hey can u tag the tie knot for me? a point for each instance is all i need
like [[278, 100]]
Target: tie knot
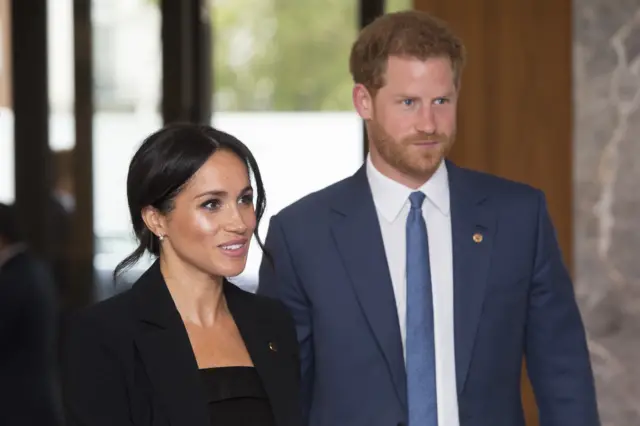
[[416, 199]]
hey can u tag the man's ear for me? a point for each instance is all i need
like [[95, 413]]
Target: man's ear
[[362, 101], [155, 221]]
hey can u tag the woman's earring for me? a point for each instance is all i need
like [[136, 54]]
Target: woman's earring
[[161, 238]]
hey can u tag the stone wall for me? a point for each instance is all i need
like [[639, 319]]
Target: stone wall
[[607, 198]]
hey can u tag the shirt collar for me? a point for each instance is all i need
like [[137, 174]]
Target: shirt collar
[[390, 196]]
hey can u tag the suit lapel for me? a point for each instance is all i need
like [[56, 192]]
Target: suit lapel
[[265, 351], [356, 231], [166, 353], [473, 226]]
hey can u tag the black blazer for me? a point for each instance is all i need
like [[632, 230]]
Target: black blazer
[[128, 360], [28, 327]]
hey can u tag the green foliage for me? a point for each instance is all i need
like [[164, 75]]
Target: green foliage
[[283, 55], [397, 5]]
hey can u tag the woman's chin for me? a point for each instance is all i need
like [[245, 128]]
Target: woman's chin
[[232, 269]]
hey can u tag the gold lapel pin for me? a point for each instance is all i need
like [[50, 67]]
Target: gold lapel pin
[[272, 347], [477, 237]]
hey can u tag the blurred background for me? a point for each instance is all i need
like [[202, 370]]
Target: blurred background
[[550, 97], [272, 73]]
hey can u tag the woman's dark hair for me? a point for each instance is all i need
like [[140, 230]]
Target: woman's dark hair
[[161, 167]]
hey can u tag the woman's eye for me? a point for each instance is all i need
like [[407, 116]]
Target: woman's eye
[[247, 199], [211, 204]]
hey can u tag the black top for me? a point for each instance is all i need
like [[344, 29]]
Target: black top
[[236, 397], [128, 360]]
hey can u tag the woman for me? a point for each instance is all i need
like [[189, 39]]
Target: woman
[[184, 346]]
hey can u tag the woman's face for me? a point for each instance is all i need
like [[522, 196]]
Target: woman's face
[[213, 218]]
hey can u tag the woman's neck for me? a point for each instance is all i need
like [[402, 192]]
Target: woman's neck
[[199, 297]]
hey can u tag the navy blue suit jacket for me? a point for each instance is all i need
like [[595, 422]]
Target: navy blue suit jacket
[[512, 297]]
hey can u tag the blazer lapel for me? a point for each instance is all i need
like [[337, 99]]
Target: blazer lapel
[[356, 231], [270, 364], [473, 226], [166, 353]]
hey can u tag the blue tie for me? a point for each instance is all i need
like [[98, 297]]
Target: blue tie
[[420, 346]]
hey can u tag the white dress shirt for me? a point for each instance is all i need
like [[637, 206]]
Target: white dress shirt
[[392, 205]]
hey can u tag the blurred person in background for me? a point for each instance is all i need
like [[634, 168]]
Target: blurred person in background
[[60, 215], [28, 332]]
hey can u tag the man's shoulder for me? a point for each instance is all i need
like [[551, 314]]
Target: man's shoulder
[[498, 187], [315, 203]]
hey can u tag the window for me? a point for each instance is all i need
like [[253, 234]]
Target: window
[[128, 84], [7, 178], [60, 73], [282, 86], [397, 5]]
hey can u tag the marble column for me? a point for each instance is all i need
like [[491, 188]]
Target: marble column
[[607, 198]]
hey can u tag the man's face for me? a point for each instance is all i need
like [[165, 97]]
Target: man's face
[[411, 121]]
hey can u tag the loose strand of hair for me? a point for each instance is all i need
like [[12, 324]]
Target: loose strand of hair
[[128, 262]]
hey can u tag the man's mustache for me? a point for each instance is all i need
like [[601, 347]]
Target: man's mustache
[[426, 137]]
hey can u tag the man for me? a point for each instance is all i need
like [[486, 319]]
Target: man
[[417, 286], [28, 394]]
